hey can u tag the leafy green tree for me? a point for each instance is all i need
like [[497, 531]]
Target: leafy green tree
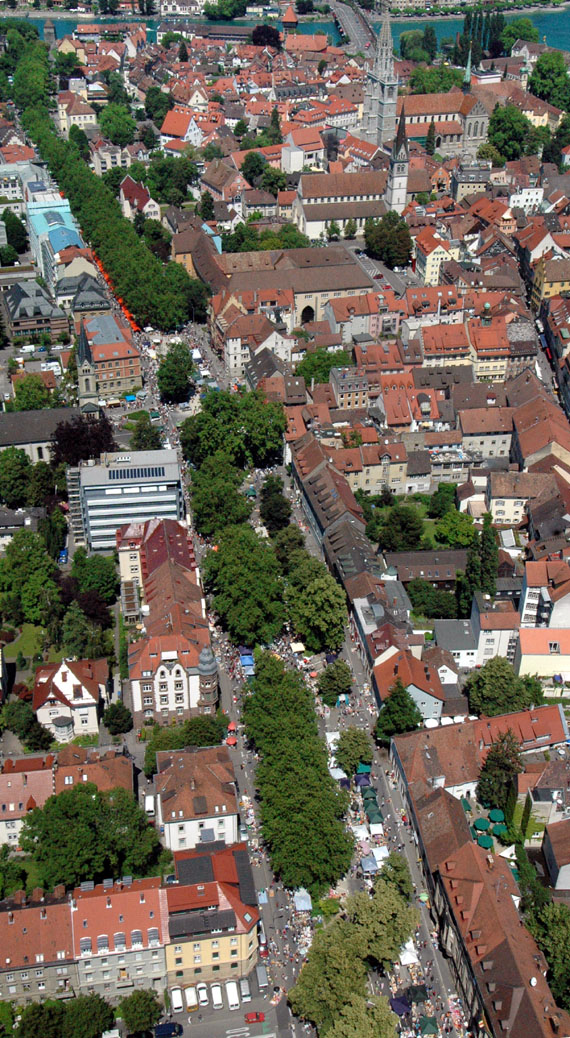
[[430, 139], [96, 573], [273, 180], [142, 1009], [501, 765], [145, 436], [78, 137], [317, 364], [442, 501], [384, 920], [240, 129], [206, 206], [12, 877], [350, 229], [15, 231], [508, 131], [435, 79], [388, 240], [455, 529], [244, 578], [248, 428], [399, 714], [253, 166], [354, 747], [247, 237], [80, 637], [490, 152], [429, 41], [27, 571], [395, 871], [174, 373], [333, 974], [469, 582], [365, 1018], [317, 609], [15, 470], [333, 231], [183, 52], [411, 46], [334, 681], [430, 601], [85, 834], [18, 717], [549, 79], [8, 256], [275, 510], [87, 1016], [401, 530], [117, 124], [216, 498], [81, 438], [31, 394], [550, 925], [496, 689], [40, 483], [286, 543], [38, 1018], [489, 557], [518, 29], [117, 719]]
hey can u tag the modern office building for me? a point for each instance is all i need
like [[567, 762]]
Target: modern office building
[[119, 489]]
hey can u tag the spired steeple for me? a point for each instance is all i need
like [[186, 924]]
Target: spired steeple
[[84, 355], [466, 86], [381, 90], [86, 377], [397, 187]]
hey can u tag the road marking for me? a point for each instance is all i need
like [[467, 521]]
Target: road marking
[[239, 1030]]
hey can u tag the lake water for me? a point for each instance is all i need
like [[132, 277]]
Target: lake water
[[553, 26]]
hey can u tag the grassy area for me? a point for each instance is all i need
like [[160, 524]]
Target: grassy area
[[29, 643], [133, 416], [32, 880], [535, 825]]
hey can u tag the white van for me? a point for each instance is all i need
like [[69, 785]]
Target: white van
[[176, 1000], [216, 993], [232, 994], [191, 999], [244, 990], [202, 992], [30, 348], [149, 805]]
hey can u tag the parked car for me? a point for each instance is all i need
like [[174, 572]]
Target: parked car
[[202, 992], [254, 1018]]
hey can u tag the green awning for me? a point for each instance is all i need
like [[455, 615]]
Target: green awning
[[482, 824], [369, 793], [496, 815], [364, 769], [485, 842], [465, 804], [428, 1025]]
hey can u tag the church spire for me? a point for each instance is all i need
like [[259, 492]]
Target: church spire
[[400, 150], [384, 57], [467, 77]]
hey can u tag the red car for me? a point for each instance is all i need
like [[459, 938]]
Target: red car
[[254, 1018]]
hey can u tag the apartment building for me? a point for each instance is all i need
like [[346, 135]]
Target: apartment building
[[213, 917], [69, 697], [38, 959], [196, 797], [24, 785], [545, 594]]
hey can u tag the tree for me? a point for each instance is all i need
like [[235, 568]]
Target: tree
[[8, 256], [317, 364], [157, 104], [85, 834], [549, 80], [334, 681], [142, 1009], [145, 436], [430, 601], [401, 530], [550, 926], [78, 137], [455, 529], [275, 123], [117, 124], [333, 974], [87, 1016], [399, 714], [216, 498], [508, 131], [388, 240], [496, 689], [15, 231], [244, 578], [350, 229], [174, 373], [430, 139], [489, 557], [354, 747], [248, 428], [492, 155], [469, 582], [253, 166], [275, 510], [266, 36], [118, 719], [273, 180], [30, 394], [81, 438], [429, 42], [442, 501], [502, 764], [333, 231], [518, 29], [435, 79], [15, 470], [317, 609], [96, 573], [80, 637], [18, 717], [411, 46], [395, 871], [27, 571], [206, 206], [385, 922], [38, 1018], [183, 52], [285, 543]]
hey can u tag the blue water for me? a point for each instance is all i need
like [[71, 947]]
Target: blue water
[[66, 26], [553, 26]]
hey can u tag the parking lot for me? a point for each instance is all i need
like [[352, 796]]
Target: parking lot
[[207, 1021]]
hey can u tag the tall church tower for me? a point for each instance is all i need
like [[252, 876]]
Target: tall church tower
[[381, 91], [397, 188]]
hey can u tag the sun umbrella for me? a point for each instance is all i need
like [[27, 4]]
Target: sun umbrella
[[499, 830], [231, 740], [399, 1006], [428, 1025], [424, 898], [485, 842], [362, 780], [232, 726], [482, 824], [496, 815]]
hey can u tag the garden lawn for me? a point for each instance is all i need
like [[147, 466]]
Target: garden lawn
[[29, 643]]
